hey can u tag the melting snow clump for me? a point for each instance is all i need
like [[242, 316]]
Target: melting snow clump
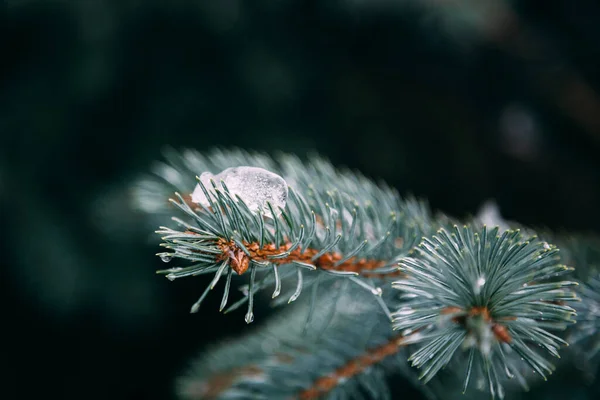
[[255, 186]]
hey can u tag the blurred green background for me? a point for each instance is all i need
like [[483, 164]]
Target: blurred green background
[[455, 101]]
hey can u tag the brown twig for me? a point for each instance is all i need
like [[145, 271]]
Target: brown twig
[[500, 331], [352, 368], [240, 261]]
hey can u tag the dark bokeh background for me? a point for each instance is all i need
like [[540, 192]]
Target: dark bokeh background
[[456, 101]]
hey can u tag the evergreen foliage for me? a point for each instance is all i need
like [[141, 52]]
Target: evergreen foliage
[[335, 223], [492, 303], [488, 292], [347, 353]]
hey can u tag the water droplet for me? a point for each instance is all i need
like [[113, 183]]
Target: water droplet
[[249, 317], [166, 257]]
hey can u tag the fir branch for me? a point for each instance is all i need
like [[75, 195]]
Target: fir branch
[[494, 293], [347, 355], [488, 292], [352, 368], [579, 251], [586, 333], [583, 253], [335, 224]]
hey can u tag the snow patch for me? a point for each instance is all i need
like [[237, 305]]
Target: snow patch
[[255, 186]]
